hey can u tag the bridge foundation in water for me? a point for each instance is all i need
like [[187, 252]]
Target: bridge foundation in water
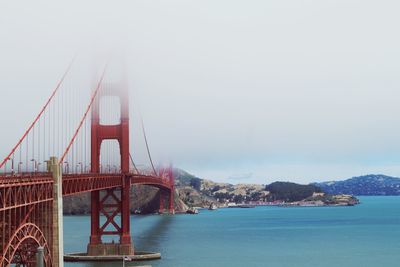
[[113, 205]]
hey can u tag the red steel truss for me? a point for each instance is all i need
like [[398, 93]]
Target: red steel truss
[[26, 208], [26, 199], [25, 213]]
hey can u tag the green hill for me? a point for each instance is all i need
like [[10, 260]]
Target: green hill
[[290, 192]]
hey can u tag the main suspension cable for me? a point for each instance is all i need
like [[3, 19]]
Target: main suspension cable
[[147, 147], [40, 113], [85, 115]]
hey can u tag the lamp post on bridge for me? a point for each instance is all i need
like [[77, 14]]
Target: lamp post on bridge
[[34, 162], [12, 165], [19, 166], [79, 164], [40, 257], [66, 166]]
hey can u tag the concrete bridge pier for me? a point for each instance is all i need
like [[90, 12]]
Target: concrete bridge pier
[[58, 242]]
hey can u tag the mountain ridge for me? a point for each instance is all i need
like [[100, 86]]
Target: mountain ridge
[[365, 185]]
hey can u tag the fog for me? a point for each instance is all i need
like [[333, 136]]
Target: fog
[[230, 90]]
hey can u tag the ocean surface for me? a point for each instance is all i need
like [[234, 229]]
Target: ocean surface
[[367, 235]]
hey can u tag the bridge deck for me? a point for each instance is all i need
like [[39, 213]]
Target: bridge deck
[[27, 189]]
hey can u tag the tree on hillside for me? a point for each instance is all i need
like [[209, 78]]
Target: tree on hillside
[[290, 192], [195, 183]]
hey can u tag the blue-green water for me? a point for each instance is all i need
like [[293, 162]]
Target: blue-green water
[[367, 235]]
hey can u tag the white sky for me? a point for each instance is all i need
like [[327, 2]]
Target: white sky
[[230, 90]]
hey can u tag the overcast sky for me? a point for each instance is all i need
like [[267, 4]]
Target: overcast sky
[[239, 91]]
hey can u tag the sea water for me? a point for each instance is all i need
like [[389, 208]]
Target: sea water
[[367, 235]]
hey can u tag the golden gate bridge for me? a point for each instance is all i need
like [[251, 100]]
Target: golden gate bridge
[[78, 143]]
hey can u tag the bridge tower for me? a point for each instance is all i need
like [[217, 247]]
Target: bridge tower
[[111, 202], [165, 194]]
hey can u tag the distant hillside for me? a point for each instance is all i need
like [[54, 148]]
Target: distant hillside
[[197, 192], [368, 185], [290, 192]]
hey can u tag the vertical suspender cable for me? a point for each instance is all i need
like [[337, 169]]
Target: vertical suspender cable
[[39, 115], [39, 147], [44, 137], [26, 153], [85, 115], [33, 150], [147, 147], [133, 163], [54, 128]]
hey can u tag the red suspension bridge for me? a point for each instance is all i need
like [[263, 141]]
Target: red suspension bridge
[[79, 142]]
